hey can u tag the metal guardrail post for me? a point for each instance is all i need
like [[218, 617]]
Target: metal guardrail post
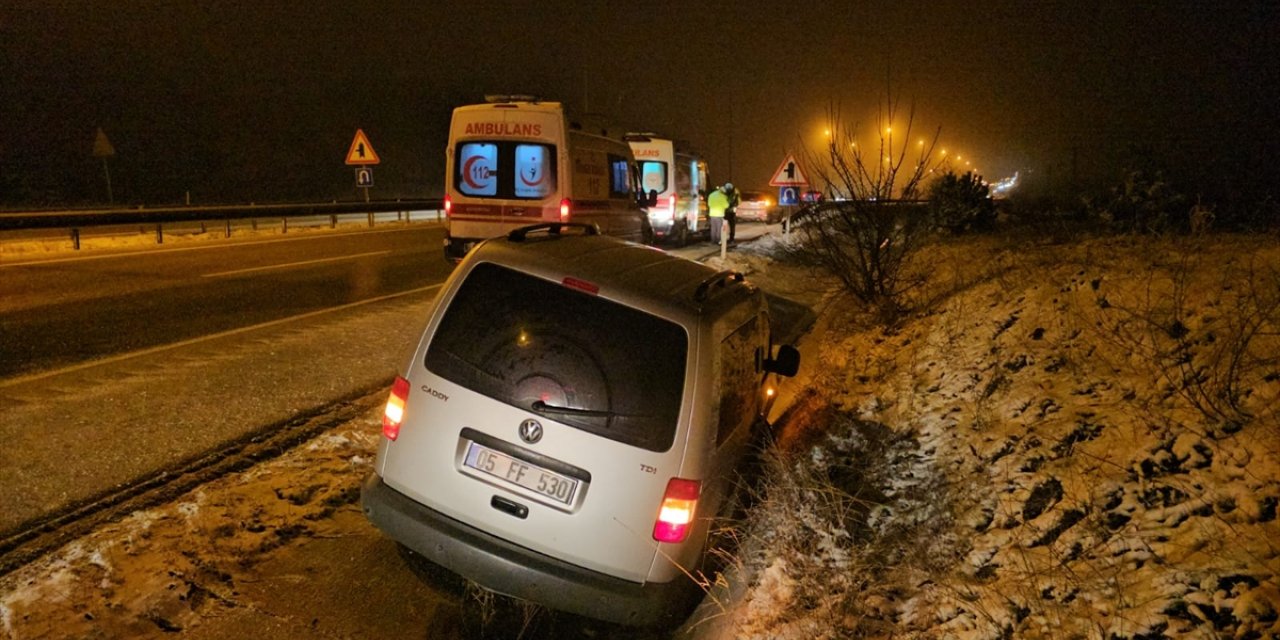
[[333, 221], [159, 233], [284, 225], [75, 238], [370, 218], [228, 221]]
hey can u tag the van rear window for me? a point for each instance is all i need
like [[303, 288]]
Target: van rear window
[[653, 176], [505, 169], [586, 361], [620, 177]]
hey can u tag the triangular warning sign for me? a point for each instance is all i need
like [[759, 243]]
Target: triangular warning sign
[[361, 152], [102, 146], [789, 174]]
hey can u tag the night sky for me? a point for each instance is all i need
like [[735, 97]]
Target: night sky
[[235, 101]]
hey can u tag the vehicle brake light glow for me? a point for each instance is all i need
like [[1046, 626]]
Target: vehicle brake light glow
[[581, 285], [393, 415], [448, 205], [678, 506], [671, 206], [566, 207]]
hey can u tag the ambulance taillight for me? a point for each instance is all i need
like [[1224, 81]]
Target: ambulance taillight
[[566, 207]]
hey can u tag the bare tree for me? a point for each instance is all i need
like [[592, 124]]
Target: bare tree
[[870, 221]]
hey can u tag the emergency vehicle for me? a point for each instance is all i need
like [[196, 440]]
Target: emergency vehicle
[[677, 176], [515, 161]]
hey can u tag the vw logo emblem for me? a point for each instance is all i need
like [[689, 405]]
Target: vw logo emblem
[[531, 431]]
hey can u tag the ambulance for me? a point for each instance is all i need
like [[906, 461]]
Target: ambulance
[[515, 161], [676, 178]]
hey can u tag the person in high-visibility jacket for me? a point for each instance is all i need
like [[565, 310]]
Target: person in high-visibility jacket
[[717, 203], [731, 214]]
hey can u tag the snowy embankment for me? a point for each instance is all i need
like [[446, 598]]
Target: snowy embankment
[[1075, 440]]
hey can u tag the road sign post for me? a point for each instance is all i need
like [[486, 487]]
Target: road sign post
[[790, 179], [102, 149]]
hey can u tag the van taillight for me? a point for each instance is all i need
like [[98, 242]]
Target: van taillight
[[566, 207], [676, 515], [671, 206], [448, 205], [393, 415]]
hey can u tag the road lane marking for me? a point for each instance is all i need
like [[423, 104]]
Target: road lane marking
[[13, 382], [288, 265]]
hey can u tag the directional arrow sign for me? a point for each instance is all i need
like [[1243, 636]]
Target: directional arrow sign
[[361, 152], [789, 174]]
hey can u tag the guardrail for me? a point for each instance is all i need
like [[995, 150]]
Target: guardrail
[[159, 215], [34, 222]]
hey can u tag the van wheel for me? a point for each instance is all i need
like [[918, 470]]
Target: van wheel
[[682, 237], [646, 233]]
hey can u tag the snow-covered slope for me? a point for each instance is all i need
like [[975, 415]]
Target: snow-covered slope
[[1070, 440]]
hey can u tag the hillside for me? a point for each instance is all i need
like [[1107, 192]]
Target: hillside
[[1076, 439]]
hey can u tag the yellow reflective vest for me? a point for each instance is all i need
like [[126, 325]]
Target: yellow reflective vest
[[717, 202]]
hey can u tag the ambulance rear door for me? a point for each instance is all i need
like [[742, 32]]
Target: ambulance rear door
[[504, 167]]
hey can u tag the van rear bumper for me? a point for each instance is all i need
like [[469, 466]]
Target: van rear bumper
[[513, 570], [455, 249]]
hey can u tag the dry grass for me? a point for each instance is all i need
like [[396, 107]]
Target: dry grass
[[1097, 424]]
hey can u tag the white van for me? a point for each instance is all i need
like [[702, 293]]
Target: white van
[[573, 421], [516, 161], [677, 176]]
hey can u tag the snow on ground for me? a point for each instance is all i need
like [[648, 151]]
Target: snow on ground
[[1076, 440], [1073, 440], [161, 570]]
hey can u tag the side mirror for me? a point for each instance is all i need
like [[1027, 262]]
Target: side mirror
[[786, 363], [651, 198]]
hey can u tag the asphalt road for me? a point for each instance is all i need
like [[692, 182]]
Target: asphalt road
[[60, 312], [119, 368]]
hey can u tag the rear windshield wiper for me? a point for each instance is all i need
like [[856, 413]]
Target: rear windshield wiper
[[543, 407]]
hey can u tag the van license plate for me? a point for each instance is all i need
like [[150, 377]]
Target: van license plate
[[521, 473]]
